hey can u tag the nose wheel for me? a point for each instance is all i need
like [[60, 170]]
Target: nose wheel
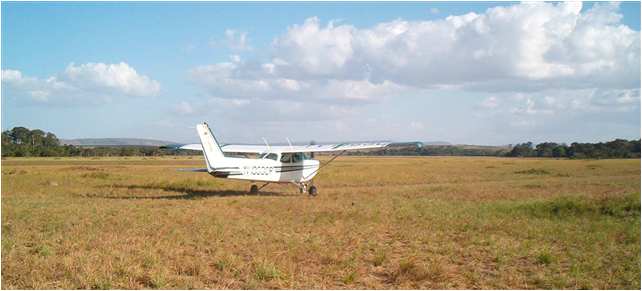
[[312, 191]]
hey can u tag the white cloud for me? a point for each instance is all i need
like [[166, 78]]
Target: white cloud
[[259, 110], [321, 50], [246, 81], [628, 97], [11, 76], [118, 77], [609, 100], [490, 102], [529, 107], [564, 115], [237, 40], [529, 42], [529, 46], [561, 102], [538, 61], [184, 108], [92, 82]]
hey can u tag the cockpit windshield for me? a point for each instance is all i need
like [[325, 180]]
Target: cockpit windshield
[[271, 156]]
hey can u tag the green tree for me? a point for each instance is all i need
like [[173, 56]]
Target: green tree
[[20, 135], [559, 151], [545, 149], [618, 148], [8, 147], [51, 140], [36, 137], [522, 150], [6, 137]]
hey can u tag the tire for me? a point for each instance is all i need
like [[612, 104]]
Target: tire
[[254, 189], [312, 191]]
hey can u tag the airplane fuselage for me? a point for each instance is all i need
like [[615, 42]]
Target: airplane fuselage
[[266, 170]]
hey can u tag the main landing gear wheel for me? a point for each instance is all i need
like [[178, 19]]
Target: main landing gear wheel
[[312, 191], [254, 189]]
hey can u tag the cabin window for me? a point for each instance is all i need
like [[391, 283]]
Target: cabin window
[[297, 157], [286, 158], [271, 156]]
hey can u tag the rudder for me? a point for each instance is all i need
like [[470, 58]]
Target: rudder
[[211, 149]]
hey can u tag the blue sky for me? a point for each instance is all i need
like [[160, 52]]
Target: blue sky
[[478, 73]]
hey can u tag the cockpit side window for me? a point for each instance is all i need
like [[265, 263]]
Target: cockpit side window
[[286, 158]]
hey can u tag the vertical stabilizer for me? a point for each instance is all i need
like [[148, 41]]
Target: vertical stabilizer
[[211, 149]]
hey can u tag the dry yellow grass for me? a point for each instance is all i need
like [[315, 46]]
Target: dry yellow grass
[[378, 222]]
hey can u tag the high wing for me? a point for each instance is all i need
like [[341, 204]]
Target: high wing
[[302, 148], [260, 149]]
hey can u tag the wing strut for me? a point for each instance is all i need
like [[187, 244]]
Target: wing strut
[[269, 149], [325, 164]]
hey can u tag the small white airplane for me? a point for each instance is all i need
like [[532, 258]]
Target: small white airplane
[[271, 164]]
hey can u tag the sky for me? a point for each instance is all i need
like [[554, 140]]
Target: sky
[[491, 73]]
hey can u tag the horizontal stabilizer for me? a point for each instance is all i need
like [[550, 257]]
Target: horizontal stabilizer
[[193, 170], [193, 147]]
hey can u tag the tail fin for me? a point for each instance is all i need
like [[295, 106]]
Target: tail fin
[[211, 150]]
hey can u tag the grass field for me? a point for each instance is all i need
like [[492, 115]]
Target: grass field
[[384, 222]]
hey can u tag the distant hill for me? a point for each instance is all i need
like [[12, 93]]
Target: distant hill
[[437, 143], [483, 147], [114, 142]]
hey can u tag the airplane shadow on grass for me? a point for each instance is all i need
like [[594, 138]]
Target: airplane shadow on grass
[[188, 192]]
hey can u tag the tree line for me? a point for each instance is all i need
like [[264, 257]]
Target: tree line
[[436, 150], [22, 142], [619, 148]]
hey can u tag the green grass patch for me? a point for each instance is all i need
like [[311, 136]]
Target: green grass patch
[[409, 269], [13, 172], [96, 175], [544, 258], [221, 264], [42, 250], [379, 258], [533, 171], [350, 277], [101, 284], [573, 206], [265, 271]]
